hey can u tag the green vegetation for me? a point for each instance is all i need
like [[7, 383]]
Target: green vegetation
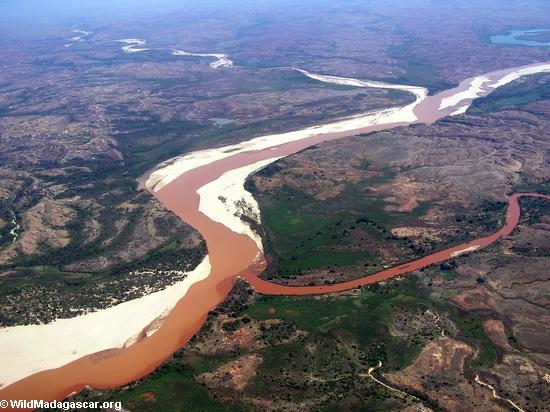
[[363, 318], [471, 331], [305, 233], [169, 388], [319, 353], [536, 187], [418, 71], [5, 231], [533, 210], [351, 231]]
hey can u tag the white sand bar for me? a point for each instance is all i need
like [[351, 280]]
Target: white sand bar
[[467, 250], [221, 59], [541, 68], [80, 38], [418, 91], [33, 348], [225, 199], [475, 89], [479, 85], [132, 45]]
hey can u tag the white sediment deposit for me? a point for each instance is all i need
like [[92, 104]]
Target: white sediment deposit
[[221, 59], [478, 86], [33, 348], [132, 45], [467, 250], [225, 199], [475, 89], [82, 34], [14, 232], [404, 114], [525, 71], [171, 169]]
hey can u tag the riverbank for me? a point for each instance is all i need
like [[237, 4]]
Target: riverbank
[[231, 254], [34, 348]]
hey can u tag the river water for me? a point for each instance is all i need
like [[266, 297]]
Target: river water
[[233, 254], [521, 38]]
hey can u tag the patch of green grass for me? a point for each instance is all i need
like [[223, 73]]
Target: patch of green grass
[[295, 221], [200, 364], [365, 317], [471, 330], [449, 274], [306, 313], [169, 388], [537, 187], [304, 233], [173, 391]]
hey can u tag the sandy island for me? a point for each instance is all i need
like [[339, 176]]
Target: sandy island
[[225, 199]]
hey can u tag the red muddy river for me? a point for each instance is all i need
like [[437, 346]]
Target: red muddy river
[[231, 255]]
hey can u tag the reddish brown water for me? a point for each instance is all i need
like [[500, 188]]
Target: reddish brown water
[[231, 255]]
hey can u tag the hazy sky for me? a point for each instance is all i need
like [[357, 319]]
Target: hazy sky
[[33, 16], [36, 17]]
